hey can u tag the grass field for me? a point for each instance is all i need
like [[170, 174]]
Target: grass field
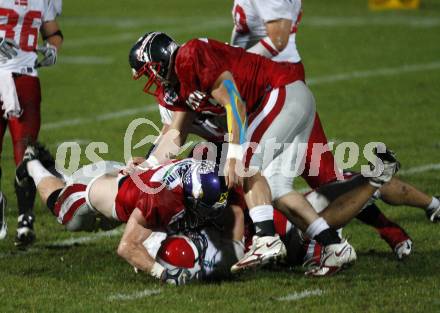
[[375, 76]]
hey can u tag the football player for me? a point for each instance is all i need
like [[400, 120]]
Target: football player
[[20, 96], [205, 254], [269, 28], [251, 90], [179, 196]]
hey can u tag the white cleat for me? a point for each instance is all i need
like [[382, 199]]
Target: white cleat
[[434, 214], [334, 258], [3, 225], [264, 250], [389, 166], [403, 249]]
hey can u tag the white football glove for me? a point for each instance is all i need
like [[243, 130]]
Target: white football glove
[[8, 48], [50, 55]]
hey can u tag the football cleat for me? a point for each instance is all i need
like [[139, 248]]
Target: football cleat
[[25, 231], [433, 215], [21, 173], [264, 250], [35, 151], [3, 225], [334, 258], [390, 167], [403, 249]]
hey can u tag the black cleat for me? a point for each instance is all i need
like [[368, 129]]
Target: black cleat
[[25, 231], [3, 225], [35, 151]]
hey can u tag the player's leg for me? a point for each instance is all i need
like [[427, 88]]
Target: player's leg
[[293, 101], [25, 130], [3, 202], [394, 235], [398, 192], [320, 166]]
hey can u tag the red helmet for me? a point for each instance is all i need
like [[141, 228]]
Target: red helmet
[[179, 251]]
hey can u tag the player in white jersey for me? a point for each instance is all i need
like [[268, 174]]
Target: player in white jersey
[[21, 21], [267, 28]]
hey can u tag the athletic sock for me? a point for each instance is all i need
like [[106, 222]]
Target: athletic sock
[[435, 203], [37, 171], [389, 231], [52, 199], [322, 233], [25, 197], [262, 217], [316, 227], [327, 237]]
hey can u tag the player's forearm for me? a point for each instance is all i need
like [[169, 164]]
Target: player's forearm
[[136, 255], [228, 96], [169, 145], [52, 34]]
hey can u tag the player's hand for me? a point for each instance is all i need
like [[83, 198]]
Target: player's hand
[[130, 166], [8, 48], [177, 276], [49, 53], [231, 177], [195, 99]]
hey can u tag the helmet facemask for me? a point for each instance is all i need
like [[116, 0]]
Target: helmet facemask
[[150, 70]]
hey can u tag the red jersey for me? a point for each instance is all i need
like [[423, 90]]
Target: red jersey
[[159, 208], [200, 62]]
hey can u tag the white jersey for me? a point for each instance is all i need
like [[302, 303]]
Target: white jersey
[[250, 17], [211, 128], [21, 20]]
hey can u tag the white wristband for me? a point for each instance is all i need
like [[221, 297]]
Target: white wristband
[[157, 270], [235, 151], [151, 162]]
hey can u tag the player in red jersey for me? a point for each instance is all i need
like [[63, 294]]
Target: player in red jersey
[[178, 196], [209, 76], [20, 95]]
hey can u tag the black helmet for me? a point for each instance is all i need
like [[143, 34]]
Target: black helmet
[[151, 56]]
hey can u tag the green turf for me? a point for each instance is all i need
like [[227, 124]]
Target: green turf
[[401, 109]]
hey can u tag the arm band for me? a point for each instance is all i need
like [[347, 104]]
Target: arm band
[[57, 33], [235, 152]]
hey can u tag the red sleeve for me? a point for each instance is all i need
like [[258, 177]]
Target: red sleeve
[[144, 204], [198, 66]]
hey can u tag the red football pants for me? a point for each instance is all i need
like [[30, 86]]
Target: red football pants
[[27, 126]]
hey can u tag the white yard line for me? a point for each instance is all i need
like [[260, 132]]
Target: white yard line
[[102, 117], [386, 71], [65, 243], [134, 295], [86, 60], [85, 239], [420, 169], [329, 21], [308, 20], [301, 295], [132, 36]]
